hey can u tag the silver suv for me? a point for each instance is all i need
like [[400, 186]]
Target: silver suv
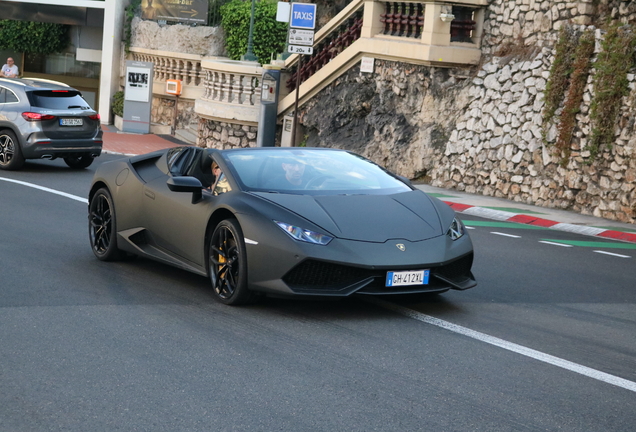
[[46, 119]]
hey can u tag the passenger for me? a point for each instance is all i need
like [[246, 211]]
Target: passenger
[[221, 185]]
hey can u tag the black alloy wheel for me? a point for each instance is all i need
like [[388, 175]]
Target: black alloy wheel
[[10, 152], [79, 162], [228, 265], [102, 229]]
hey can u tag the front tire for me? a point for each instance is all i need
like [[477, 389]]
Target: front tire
[[102, 227], [10, 152], [79, 162], [228, 265]]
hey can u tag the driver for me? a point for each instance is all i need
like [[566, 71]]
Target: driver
[[295, 174]]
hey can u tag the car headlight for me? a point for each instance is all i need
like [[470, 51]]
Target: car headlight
[[456, 229], [302, 234]]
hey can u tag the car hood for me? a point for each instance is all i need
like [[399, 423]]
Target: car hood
[[374, 218]]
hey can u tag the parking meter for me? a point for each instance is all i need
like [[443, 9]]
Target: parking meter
[[270, 83]]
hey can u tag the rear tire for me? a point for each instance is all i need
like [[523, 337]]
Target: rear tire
[[102, 227], [227, 265], [79, 162], [10, 152]]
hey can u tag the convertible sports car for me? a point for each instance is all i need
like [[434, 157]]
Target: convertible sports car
[[285, 221]]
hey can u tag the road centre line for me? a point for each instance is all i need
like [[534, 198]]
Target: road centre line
[[509, 346], [45, 189], [504, 234], [612, 254]]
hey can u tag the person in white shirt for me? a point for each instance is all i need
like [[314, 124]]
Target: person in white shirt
[[9, 70]]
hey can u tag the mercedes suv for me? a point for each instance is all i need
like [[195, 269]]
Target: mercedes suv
[[46, 119]]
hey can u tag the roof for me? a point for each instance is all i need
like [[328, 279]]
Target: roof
[[36, 83]]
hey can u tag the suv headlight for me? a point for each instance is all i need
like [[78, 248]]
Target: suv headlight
[[302, 234], [456, 229]]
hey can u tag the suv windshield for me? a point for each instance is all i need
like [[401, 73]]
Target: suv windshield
[[57, 99], [321, 171]]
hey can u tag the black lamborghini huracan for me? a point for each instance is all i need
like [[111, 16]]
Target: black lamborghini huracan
[[286, 221]]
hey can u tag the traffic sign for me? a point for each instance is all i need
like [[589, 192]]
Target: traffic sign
[[303, 15], [301, 37], [295, 49]]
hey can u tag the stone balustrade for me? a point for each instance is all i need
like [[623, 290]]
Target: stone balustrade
[[169, 65], [231, 91]]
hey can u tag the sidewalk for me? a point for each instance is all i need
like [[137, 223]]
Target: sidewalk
[[116, 142]]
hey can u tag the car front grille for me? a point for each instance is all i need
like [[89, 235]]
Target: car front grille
[[319, 275], [313, 276]]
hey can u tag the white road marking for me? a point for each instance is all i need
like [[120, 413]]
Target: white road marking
[[519, 349], [555, 244], [612, 254], [470, 227], [504, 234], [45, 189]]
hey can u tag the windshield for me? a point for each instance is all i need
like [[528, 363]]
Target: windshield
[[58, 99], [311, 171]]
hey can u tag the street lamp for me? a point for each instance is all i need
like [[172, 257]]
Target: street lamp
[[249, 55]]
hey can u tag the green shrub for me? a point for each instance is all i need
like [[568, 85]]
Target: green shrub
[[610, 85], [571, 106], [131, 10], [560, 71], [33, 37], [118, 103], [268, 36]]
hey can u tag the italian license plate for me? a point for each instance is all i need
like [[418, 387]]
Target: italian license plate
[[410, 277], [71, 122]]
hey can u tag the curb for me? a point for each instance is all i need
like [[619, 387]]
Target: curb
[[539, 222]]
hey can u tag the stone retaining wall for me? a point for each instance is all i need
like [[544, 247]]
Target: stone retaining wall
[[223, 135], [162, 112], [480, 130]]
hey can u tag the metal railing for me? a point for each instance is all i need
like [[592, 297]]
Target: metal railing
[[403, 19]]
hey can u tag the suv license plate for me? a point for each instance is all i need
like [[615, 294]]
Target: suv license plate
[[71, 122], [411, 277]]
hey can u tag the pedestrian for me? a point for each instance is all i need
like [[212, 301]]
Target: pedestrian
[[9, 70]]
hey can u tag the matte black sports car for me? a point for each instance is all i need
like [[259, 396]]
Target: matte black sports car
[[290, 221]]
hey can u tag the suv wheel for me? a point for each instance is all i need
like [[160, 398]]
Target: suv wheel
[[10, 153], [79, 162]]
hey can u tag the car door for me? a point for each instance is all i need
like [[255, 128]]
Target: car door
[[176, 224]]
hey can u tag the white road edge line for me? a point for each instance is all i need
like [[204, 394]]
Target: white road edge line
[[612, 254], [555, 244], [45, 189], [519, 349], [504, 234]]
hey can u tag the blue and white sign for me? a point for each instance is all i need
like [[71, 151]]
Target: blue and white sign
[[303, 16]]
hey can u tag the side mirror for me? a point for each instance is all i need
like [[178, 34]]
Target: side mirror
[[186, 184]]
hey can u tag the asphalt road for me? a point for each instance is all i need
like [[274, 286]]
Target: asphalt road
[[545, 342]]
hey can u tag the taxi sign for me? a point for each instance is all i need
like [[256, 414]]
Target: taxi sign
[[303, 15]]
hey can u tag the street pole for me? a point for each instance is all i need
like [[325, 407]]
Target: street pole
[[249, 55], [293, 137]]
